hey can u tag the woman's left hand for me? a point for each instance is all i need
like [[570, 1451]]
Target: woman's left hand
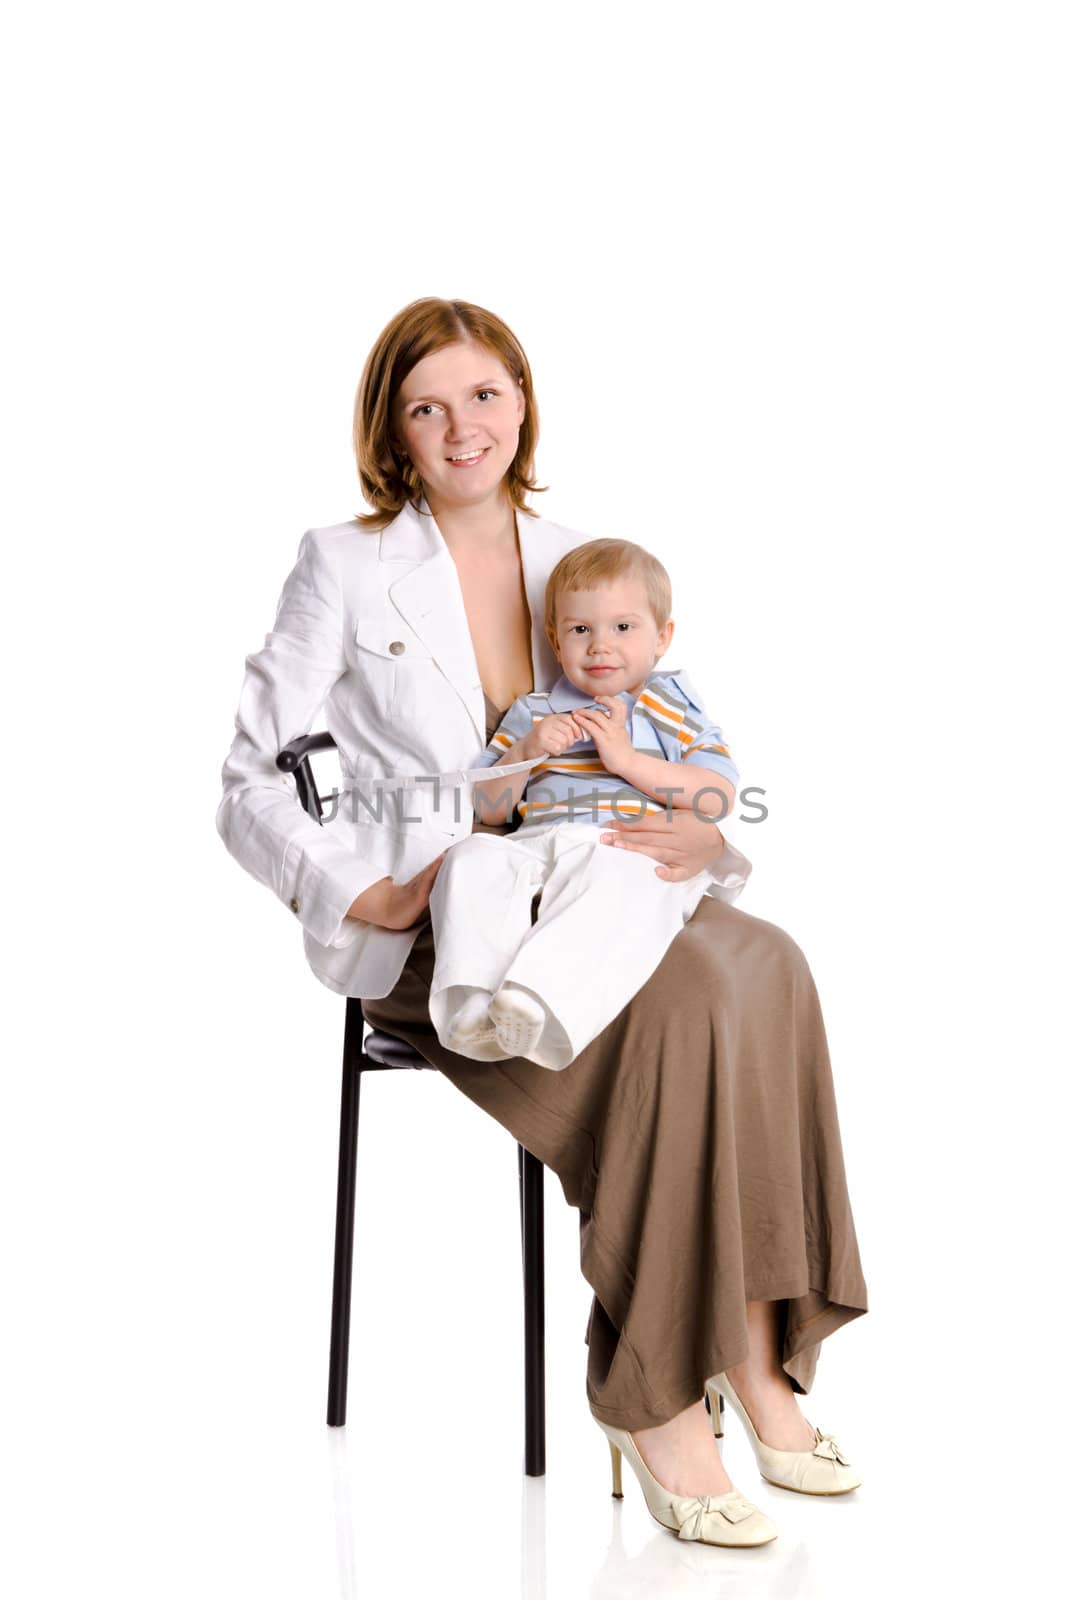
[[684, 843]]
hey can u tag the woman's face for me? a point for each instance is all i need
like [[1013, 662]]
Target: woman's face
[[459, 400]]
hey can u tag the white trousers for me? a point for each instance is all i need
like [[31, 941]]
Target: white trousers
[[603, 926]]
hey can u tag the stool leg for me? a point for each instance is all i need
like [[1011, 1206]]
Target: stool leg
[[533, 1272], [337, 1402], [522, 1207]]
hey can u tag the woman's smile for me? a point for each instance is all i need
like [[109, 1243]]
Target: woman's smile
[[468, 460]]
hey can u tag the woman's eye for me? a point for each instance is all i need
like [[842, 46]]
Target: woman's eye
[[428, 405]]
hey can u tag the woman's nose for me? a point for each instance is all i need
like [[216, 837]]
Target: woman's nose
[[458, 430]]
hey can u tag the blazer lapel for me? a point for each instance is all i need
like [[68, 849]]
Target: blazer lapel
[[428, 595]]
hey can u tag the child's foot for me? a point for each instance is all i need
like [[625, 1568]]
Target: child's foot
[[519, 1019], [471, 1025]]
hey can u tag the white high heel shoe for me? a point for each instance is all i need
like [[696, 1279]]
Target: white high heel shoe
[[724, 1519], [824, 1469]]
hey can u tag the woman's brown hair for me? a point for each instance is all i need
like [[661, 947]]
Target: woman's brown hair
[[388, 479]]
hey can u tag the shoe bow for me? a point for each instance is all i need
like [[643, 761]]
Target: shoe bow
[[694, 1512], [829, 1446]]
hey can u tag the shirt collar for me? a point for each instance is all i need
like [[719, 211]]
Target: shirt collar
[[566, 696]]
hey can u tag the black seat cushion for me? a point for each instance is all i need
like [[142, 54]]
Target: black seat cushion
[[392, 1052]]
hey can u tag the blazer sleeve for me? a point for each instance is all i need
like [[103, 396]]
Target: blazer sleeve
[[260, 818]]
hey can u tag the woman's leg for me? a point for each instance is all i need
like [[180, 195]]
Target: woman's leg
[[683, 1453], [720, 1179], [698, 1139], [762, 1386]]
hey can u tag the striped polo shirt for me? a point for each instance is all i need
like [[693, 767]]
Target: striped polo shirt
[[666, 718]]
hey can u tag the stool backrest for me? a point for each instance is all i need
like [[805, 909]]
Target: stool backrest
[[294, 758]]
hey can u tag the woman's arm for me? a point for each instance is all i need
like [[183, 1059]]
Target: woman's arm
[[259, 818], [684, 843]]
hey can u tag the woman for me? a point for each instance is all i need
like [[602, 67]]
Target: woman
[[698, 1135]]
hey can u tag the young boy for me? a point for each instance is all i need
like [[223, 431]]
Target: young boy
[[618, 739]]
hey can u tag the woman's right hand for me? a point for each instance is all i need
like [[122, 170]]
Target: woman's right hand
[[396, 905]]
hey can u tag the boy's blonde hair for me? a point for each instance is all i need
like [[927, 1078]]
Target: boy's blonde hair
[[601, 561]]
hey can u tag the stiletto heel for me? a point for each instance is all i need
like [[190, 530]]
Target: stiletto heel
[[713, 1402], [724, 1519], [824, 1469], [616, 1471]]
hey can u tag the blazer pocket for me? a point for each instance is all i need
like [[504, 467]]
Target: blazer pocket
[[387, 656], [392, 640]]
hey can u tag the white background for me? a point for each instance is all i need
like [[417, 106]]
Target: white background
[[790, 279]]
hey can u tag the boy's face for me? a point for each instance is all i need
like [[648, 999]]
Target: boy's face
[[606, 638]]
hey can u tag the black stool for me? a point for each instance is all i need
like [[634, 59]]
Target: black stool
[[380, 1052]]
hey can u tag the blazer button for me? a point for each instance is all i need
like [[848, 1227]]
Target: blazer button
[[397, 647], [294, 904]]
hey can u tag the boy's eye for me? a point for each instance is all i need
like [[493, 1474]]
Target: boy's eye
[[583, 627]]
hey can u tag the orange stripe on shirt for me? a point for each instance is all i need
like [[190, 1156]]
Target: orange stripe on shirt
[[665, 711]]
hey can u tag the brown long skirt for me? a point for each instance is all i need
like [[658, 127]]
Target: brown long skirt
[[698, 1138]]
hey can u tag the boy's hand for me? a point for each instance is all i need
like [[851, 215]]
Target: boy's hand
[[609, 734], [552, 735]]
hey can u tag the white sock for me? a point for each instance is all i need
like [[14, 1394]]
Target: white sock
[[472, 1023], [519, 1019]]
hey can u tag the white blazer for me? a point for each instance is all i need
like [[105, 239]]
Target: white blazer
[[371, 629]]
